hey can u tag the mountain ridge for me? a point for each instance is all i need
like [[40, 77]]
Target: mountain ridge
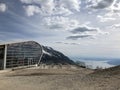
[[51, 56]]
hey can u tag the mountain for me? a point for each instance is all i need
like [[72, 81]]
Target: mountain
[[81, 64], [51, 56], [114, 62]]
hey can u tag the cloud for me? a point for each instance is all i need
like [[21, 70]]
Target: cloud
[[52, 7], [56, 15], [71, 4], [100, 4], [59, 22], [38, 6], [114, 8], [31, 10], [54, 12], [115, 26], [105, 18], [110, 8], [66, 43], [3, 7], [40, 2], [28, 1], [85, 31], [75, 37], [82, 29], [94, 64]]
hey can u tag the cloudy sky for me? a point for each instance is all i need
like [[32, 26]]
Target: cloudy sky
[[81, 28]]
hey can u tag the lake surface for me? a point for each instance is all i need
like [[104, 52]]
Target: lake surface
[[98, 62]]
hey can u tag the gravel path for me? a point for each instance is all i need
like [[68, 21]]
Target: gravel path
[[56, 79]]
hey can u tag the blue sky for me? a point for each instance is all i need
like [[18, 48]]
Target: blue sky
[[85, 28]]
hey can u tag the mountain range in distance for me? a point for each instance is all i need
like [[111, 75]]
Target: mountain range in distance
[[51, 56]]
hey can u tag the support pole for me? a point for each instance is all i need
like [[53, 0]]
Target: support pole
[[5, 56], [40, 56]]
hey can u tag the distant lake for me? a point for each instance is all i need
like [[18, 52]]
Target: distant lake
[[99, 62]]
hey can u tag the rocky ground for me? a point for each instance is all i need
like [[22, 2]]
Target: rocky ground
[[60, 79]]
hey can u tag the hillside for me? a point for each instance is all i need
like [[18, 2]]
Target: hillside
[[51, 56], [106, 79]]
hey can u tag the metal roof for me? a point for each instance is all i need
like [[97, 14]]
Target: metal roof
[[13, 42]]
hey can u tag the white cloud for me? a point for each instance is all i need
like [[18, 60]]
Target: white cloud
[[56, 15], [62, 23], [61, 11], [105, 18], [53, 7], [31, 10], [68, 43], [87, 23], [99, 4], [71, 4], [115, 6], [111, 14], [115, 26], [47, 6], [114, 9], [72, 25], [44, 7], [84, 31], [36, 1], [110, 9], [3, 7], [26, 1], [95, 64]]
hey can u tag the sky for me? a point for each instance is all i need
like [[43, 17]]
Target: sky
[[78, 28]]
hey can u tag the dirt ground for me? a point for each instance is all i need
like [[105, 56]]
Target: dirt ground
[[58, 79]]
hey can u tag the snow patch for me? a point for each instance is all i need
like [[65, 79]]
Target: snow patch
[[44, 52]]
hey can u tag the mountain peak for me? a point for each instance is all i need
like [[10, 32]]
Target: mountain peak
[[51, 56]]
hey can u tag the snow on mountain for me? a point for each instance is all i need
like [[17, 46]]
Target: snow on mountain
[[51, 56]]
